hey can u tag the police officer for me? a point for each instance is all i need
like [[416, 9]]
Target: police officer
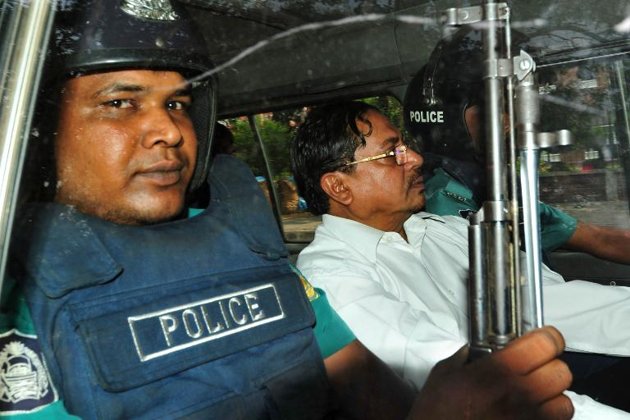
[[444, 107], [141, 314]]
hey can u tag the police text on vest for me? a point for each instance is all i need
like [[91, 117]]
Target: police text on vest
[[172, 329]]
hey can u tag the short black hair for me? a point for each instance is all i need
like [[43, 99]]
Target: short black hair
[[325, 142]]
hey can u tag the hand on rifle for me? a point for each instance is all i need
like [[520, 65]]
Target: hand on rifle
[[523, 380]]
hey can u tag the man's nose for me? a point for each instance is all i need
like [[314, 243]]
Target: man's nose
[[414, 159], [160, 127]]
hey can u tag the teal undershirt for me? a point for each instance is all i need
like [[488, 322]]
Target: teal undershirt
[[16, 315], [331, 332], [447, 197]]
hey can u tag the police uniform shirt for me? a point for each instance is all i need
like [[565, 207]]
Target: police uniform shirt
[[26, 390], [445, 196]]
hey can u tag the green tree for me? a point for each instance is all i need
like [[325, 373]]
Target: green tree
[[276, 137]]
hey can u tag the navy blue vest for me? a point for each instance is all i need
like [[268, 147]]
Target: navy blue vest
[[198, 318]]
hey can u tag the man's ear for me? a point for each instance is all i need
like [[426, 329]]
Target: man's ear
[[334, 185]]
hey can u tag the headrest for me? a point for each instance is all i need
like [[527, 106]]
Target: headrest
[[233, 183]]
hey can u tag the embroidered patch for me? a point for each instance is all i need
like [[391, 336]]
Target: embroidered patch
[[465, 213], [455, 196], [150, 9], [25, 383], [311, 293], [163, 332]]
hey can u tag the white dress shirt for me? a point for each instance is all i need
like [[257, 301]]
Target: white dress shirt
[[407, 301]]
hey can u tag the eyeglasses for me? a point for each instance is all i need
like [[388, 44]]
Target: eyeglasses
[[399, 152]]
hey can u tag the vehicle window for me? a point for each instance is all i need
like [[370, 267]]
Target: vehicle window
[[588, 179], [274, 174]]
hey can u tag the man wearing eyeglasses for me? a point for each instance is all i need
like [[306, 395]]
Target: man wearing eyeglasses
[[397, 276]]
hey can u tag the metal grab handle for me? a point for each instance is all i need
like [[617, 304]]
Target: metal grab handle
[[26, 28], [530, 141]]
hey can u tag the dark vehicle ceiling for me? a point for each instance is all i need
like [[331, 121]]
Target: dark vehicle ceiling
[[277, 53]]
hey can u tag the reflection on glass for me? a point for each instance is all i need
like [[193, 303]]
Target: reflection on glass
[[589, 178]]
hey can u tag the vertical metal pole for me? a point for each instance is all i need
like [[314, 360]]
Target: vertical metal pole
[[25, 33], [621, 85], [272, 187], [528, 116], [498, 257], [477, 291], [625, 138], [513, 182], [532, 298]]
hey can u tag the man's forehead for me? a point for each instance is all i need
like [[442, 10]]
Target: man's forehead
[[102, 83]]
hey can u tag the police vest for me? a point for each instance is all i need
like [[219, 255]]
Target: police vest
[[198, 318]]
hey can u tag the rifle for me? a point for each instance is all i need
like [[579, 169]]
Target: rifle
[[505, 299]]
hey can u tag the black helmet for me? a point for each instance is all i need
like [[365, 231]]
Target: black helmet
[[99, 35], [440, 93]]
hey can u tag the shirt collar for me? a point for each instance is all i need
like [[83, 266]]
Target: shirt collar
[[416, 226], [418, 217], [360, 237], [365, 239]]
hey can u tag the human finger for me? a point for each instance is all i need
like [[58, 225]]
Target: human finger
[[530, 351], [546, 382], [558, 408]]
